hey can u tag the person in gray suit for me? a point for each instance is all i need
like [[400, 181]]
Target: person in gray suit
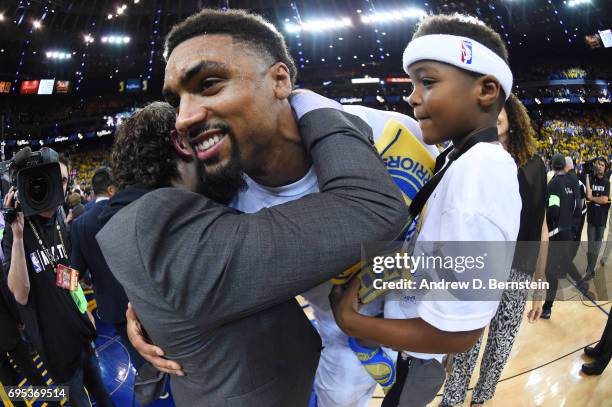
[[215, 288]]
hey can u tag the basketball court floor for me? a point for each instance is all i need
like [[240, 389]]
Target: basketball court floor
[[543, 370]]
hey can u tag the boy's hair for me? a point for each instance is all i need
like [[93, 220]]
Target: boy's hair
[[464, 26], [248, 28], [521, 136], [142, 152]]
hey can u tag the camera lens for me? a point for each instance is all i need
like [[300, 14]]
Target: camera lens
[[38, 188]]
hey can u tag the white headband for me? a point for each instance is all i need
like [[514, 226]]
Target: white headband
[[461, 52]]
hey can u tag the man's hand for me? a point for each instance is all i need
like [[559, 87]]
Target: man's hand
[[535, 312], [17, 225], [151, 353], [345, 304]]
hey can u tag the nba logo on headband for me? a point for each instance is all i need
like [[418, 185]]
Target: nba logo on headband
[[466, 52]]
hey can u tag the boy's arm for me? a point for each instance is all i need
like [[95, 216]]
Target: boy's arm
[[411, 334]]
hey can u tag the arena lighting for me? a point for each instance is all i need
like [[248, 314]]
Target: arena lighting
[[115, 39], [398, 80], [88, 39], [365, 80], [574, 3], [58, 55], [392, 16], [1, 17], [36, 24], [319, 25]]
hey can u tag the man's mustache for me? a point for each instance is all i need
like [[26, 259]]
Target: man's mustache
[[203, 127]]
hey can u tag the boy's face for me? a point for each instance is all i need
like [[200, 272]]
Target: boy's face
[[444, 99]]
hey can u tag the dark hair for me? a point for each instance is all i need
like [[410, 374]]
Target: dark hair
[[521, 136], [465, 26], [603, 160], [248, 28], [101, 180], [142, 153]]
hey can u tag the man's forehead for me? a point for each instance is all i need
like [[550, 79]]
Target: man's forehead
[[214, 48]]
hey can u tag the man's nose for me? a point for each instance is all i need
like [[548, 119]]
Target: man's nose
[[190, 113]]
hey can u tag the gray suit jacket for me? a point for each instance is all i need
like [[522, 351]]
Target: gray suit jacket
[[215, 289]]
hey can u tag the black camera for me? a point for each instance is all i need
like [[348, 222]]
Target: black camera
[[589, 166], [37, 178]]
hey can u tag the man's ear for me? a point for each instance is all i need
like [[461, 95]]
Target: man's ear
[[489, 91], [282, 80]]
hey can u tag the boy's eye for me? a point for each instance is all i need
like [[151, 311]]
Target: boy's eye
[[427, 82]]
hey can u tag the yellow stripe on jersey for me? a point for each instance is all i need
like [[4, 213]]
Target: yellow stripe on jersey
[[410, 165]]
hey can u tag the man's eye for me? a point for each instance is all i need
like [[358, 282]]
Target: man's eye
[[208, 83]]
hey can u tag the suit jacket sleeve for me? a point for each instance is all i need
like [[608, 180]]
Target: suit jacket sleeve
[[216, 265], [77, 258]]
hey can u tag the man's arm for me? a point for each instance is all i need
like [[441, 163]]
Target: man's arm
[[217, 265], [18, 280], [604, 199], [553, 202]]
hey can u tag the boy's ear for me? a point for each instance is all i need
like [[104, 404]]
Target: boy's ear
[[489, 91]]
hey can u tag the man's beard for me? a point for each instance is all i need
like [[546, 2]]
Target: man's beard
[[226, 181]]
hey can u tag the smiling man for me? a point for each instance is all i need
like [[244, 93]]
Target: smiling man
[[215, 288], [227, 74]]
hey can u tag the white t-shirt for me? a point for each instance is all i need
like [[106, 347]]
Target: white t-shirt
[[390, 130], [477, 200]]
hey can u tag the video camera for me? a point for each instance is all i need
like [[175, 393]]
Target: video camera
[[589, 166], [37, 178]]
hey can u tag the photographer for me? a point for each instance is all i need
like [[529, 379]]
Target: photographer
[[36, 247], [598, 197]]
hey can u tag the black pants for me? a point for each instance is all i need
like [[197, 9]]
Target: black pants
[[88, 376], [22, 358], [604, 347], [595, 234], [417, 382], [560, 264]]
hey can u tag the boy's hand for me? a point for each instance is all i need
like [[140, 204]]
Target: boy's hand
[[151, 353], [345, 304]]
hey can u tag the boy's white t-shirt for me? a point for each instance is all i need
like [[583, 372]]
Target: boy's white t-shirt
[[477, 200], [256, 197]]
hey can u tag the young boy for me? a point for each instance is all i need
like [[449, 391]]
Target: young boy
[[461, 79]]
